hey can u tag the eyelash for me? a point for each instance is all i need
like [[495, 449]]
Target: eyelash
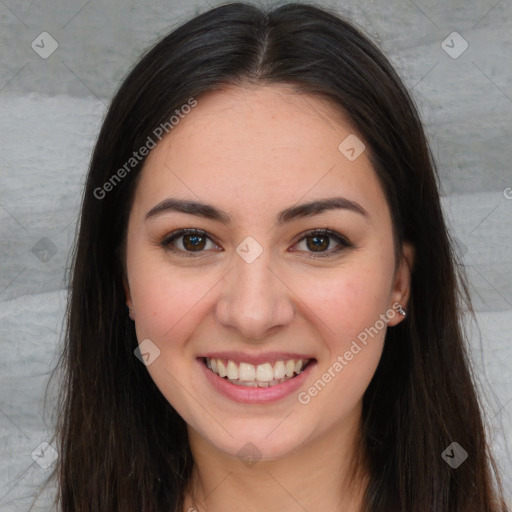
[[343, 243]]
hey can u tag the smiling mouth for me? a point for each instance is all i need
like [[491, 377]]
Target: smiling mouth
[[257, 376]]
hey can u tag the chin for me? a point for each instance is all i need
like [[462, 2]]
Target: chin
[[262, 442]]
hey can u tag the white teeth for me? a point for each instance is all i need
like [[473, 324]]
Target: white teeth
[[261, 375], [289, 367], [279, 370], [247, 372], [232, 370], [221, 368], [264, 372]]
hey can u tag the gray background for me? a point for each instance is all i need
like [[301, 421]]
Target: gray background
[[50, 112]]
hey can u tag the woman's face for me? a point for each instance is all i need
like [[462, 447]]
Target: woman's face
[[255, 289]]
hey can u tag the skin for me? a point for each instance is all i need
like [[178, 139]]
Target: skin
[[252, 151]]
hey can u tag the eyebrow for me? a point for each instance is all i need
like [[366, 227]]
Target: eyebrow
[[294, 212]]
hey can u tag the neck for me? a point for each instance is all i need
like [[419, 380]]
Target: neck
[[324, 474]]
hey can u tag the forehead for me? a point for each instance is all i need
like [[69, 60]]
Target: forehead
[[255, 126], [260, 145]]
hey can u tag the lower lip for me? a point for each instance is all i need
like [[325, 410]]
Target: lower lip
[[252, 395]]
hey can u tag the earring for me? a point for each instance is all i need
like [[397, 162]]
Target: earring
[[402, 311]]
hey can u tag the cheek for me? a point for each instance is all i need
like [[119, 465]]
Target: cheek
[[348, 301], [348, 308], [353, 335], [167, 304]]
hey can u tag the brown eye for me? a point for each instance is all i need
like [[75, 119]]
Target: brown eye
[[188, 241], [194, 242], [317, 243]]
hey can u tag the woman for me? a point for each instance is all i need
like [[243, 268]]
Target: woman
[[264, 311]]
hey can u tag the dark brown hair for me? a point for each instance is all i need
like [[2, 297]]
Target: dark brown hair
[[122, 446]]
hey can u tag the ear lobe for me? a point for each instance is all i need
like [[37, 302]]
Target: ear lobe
[[402, 285]]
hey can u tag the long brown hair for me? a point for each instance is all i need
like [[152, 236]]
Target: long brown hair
[[122, 446]]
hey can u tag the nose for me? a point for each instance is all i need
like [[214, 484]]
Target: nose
[[254, 300]]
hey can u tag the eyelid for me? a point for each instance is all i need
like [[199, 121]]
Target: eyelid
[[324, 231], [166, 242], [341, 240]]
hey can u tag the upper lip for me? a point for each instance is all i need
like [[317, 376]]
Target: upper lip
[[267, 357]]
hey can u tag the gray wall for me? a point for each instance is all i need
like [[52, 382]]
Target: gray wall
[[50, 112]]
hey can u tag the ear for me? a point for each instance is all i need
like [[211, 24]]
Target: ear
[[402, 284], [128, 296]]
